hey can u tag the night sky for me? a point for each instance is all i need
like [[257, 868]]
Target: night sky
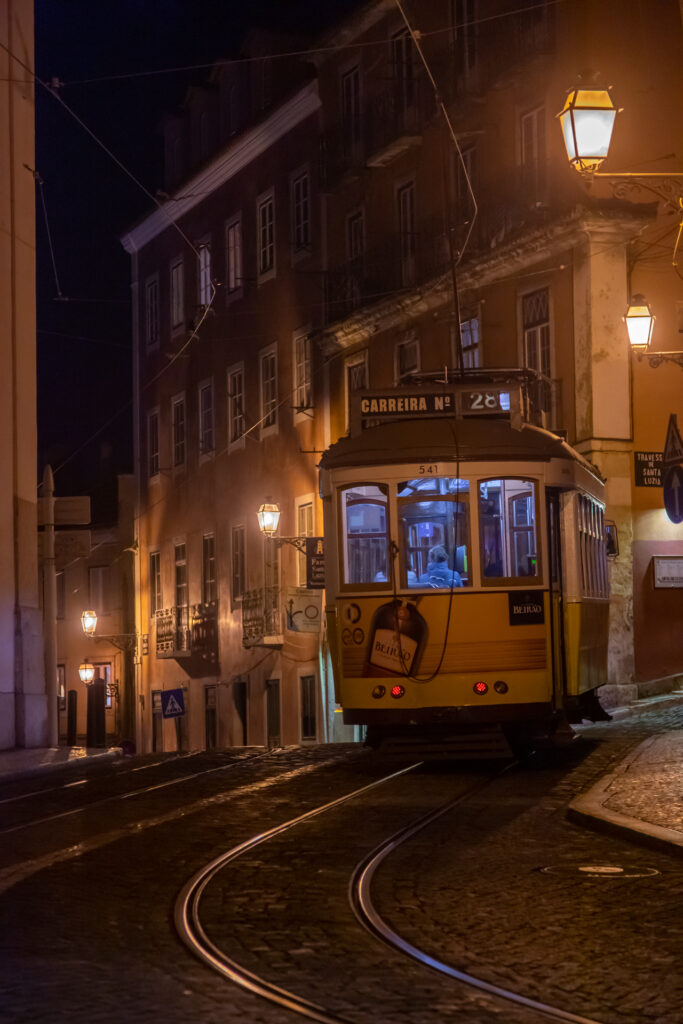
[[84, 359]]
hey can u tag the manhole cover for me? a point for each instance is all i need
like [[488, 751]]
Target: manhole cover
[[600, 870]]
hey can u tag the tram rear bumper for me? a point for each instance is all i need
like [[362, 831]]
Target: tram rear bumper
[[466, 715]]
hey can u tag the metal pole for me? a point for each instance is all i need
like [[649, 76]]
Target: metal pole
[[50, 608]]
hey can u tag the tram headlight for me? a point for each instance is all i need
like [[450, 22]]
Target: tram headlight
[[397, 691], [379, 691], [481, 687], [500, 686]]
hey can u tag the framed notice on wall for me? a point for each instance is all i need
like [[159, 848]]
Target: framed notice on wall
[[668, 571]]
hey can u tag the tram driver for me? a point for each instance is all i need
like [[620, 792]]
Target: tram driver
[[438, 574]]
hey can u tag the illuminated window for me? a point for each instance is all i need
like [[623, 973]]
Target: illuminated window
[[304, 528], [365, 533], [178, 428], [233, 255], [209, 582], [302, 372], [181, 585], [265, 241], [155, 598], [205, 286], [206, 441], [435, 531], [152, 313], [301, 213], [177, 294], [507, 530], [236, 421], [471, 350], [268, 390], [238, 563]]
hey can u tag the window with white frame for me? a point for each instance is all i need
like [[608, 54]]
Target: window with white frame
[[233, 255], [177, 294], [152, 312], [153, 443], [265, 241], [406, 358], [155, 598], [301, 212], [303, 392], [405, 202], [304, 528], [98, 588], [532, 150], [470, 339], [238, 562], [536, 328], [181, 585], [206, 439], [209, 581], [178, 427], [236, 418], [355, 379], [205, 286], [268, 389], [350, 110]]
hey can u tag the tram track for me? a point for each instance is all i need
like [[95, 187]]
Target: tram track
[[195, 935]]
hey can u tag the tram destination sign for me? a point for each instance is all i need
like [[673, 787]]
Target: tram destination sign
[[377, 405], [648, 469]]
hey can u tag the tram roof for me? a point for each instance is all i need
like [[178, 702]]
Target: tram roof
[[447, 439]]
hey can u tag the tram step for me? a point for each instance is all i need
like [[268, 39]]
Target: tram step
[[484, 745]]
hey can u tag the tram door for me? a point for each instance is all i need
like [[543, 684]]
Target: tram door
[[556, 602]]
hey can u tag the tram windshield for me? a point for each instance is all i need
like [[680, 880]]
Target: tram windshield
[[365, 532], [507, 529], [435, 531]]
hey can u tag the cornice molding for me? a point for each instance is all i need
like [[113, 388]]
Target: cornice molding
[[242, 152]]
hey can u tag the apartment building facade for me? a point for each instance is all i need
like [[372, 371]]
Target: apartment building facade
[[358, 218]]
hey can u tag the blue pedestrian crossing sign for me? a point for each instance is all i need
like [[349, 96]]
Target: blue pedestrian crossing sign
[[172, 703]]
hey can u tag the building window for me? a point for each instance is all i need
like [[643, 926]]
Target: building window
[[355, 236], [177, 294], [464, 169], [403, 70], [407, 359], [350, 110], [301, 216], [238, 563], [206, 441], [205, 286], [181, 588], [308, 708], [98, 588], [236, 420], [463, 21], [233, 255], [153, 444], [178, 428], [61, 687], [155, 597], [265, 242], [532, 150], [61, 594], [536, 327], [355, 379], [303, 398], [470, 338], [304, 528], [405, 200], [209, 584], [152, 313], [268, 390]]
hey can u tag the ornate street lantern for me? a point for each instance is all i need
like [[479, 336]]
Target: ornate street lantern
[[89, 622], [268, 517], [639, 321], [587, 120], [87, 672]]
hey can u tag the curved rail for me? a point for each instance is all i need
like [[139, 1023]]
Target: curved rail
[[190, 930], [362, 905]]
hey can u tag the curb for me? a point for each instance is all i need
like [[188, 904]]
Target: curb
[[27, 771], [589, 809]]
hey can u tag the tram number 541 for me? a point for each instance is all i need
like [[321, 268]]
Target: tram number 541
[[431, 469]]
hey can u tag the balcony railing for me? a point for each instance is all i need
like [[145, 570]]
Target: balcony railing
[[172, 633], [261, 617], [204, 630]]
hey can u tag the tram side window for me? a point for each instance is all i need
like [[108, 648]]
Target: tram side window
[[435, 532], [507, 529], [592, 548], [365, 532]]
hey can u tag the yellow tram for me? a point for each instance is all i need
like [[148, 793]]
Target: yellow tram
[[466, 569]]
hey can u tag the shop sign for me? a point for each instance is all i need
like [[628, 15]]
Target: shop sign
[[303, 610], [648, 469], [315, 563]]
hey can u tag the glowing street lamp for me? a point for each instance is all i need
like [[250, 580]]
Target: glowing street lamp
[[639, 320], [587, 121], [268, 517], [86, 672], [89, 622]]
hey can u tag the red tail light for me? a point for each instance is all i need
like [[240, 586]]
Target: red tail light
[[397, 690], [481, 687]]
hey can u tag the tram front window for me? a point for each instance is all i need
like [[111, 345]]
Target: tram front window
[[365, 530], [435, 532], [507, 529]]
